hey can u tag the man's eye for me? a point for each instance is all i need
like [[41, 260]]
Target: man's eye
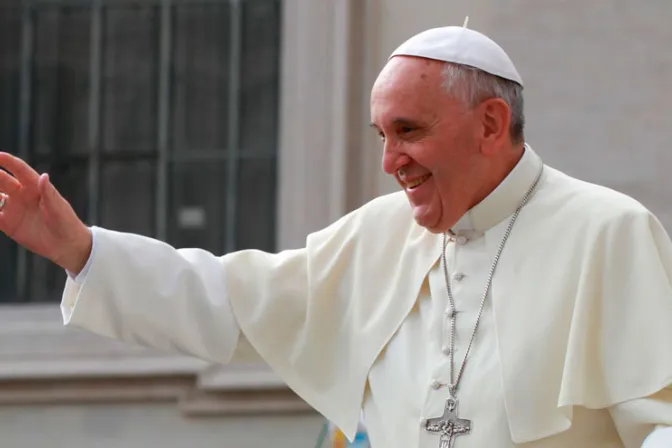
[[406, 129], [382, 136]]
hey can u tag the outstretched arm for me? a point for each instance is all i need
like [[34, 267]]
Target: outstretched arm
[[134, 289], [143, 291]]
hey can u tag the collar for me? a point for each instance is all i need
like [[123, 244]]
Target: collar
[[503, 200]]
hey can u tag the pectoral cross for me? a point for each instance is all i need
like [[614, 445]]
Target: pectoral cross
[[449, 425]]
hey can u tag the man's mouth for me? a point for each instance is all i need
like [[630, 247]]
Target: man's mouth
[[417, 182]]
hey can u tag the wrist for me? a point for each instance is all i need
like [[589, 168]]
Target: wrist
[[78, 252]]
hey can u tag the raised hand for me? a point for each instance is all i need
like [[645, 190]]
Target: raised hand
[[36, 216]]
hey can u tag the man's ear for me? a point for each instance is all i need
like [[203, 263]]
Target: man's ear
[[495, 117]]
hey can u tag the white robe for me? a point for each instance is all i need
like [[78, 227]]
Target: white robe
[[574, 349]]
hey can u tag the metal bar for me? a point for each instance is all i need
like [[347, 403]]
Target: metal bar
[[104, 158], [233, 142], [87, 3], [24, 140], [164, 101], [212, 155], [218, 155], [95, 85]]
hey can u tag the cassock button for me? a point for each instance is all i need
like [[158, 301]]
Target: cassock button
[[458, 276], [461, 240], [446, 350], [435, 384]]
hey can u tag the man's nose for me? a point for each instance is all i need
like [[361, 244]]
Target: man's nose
[[393, 159]]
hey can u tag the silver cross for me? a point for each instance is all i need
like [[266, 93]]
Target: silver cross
[[449, 425]]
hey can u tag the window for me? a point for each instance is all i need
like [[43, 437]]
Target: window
[[153, 117]]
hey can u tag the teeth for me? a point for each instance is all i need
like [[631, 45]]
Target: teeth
[[417, 182]]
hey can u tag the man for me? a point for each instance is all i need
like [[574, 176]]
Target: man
[[494, 302]]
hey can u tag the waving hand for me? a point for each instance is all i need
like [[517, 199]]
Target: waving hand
[[37, 216]]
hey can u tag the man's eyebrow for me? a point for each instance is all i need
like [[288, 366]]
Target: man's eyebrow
[[404, 121], [398, 121]]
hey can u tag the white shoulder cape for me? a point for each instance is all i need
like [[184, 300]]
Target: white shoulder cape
[[582, 300]]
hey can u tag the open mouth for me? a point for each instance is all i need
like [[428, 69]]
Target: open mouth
[[417, 182]]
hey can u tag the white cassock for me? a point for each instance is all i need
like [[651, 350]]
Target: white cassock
[[574, 348]]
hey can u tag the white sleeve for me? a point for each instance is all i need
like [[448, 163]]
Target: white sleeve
[[79, 278], [659, 438], [141, 290], [645, 422]]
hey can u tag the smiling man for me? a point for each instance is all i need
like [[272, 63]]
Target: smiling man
[[434, 143], [493, 302]]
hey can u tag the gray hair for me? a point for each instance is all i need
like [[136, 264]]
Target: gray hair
[[472, 86]]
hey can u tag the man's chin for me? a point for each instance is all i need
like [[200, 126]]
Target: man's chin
[[424, 218], [437, 230], [427, 218]]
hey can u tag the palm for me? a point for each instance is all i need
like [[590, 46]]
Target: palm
[[22, 221], [35, 215]]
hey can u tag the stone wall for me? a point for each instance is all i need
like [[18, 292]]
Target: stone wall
[[144, 425]]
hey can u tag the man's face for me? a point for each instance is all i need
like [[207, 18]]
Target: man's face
[[431, 140]]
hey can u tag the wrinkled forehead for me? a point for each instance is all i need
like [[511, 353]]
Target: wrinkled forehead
[[410, 72], [408, 86]]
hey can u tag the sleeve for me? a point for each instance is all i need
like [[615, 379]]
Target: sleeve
[[636, 350], [308, 313], [79, 278], [612, 349], [645, 422], [621, 338], [660, 438], [140, 290]]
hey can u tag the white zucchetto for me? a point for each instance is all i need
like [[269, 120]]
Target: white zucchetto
[[460, 45]]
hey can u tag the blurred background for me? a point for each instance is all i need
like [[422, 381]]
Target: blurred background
[[231, 124]]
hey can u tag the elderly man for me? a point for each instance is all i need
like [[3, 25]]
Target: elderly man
[[493, 302]]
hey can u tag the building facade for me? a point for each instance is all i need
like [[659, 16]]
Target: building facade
[[228, 124]]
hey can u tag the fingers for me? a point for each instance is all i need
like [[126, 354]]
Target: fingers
[[4, 221], [47, 190], [20, 169], [51, 198], [43, 183], [8, 184]]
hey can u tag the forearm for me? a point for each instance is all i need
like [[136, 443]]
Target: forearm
[[144, 291]]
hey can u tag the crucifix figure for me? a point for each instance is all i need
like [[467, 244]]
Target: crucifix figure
[[449, 425]]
